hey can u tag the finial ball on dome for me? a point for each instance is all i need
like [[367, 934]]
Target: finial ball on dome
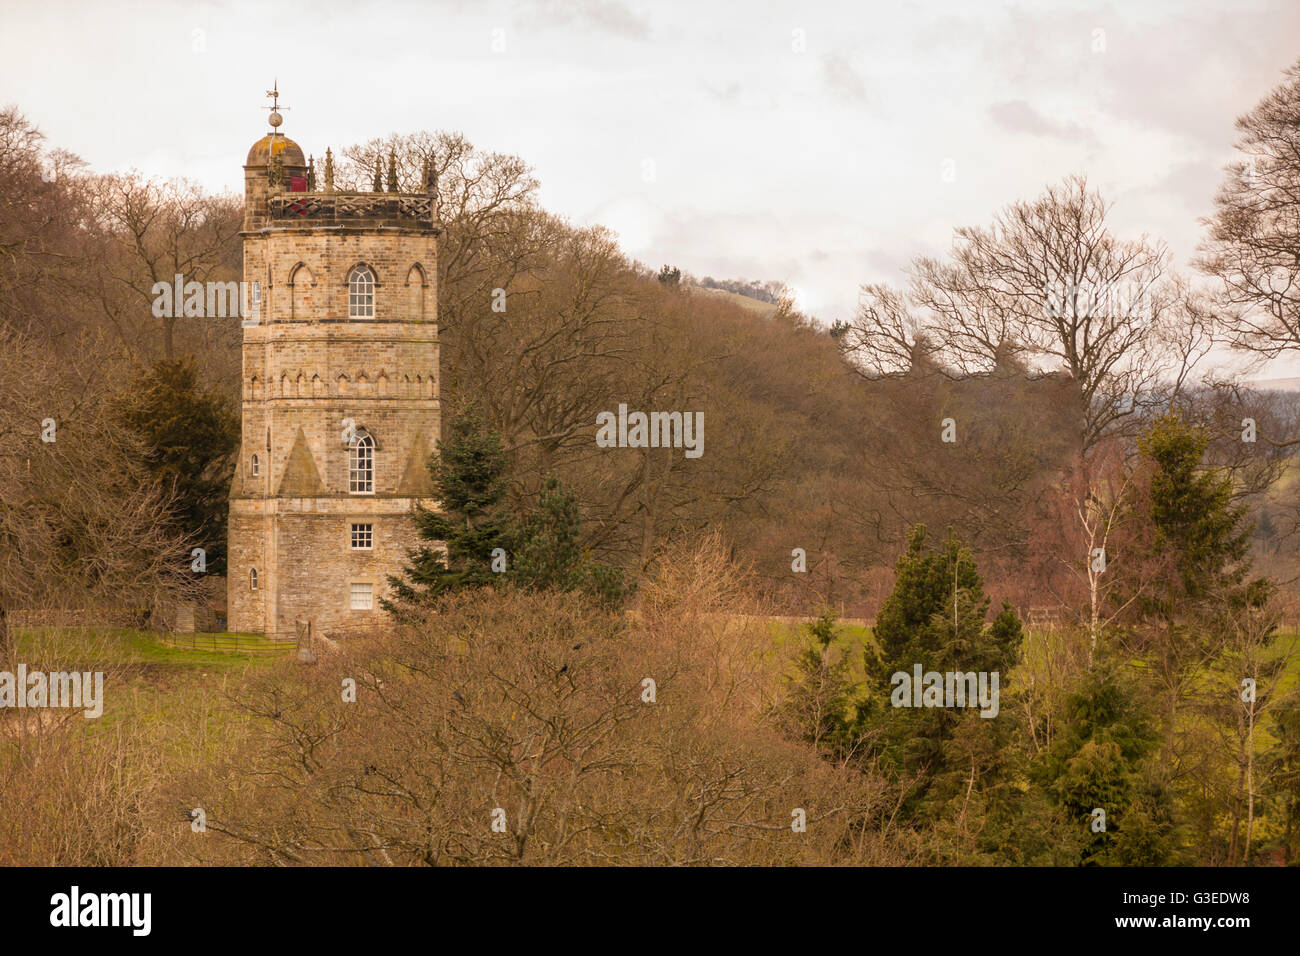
[[275, 143]]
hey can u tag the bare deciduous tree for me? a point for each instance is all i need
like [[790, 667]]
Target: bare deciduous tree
[[1254, 243]]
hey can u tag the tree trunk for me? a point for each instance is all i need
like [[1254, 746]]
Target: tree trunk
[[647, 515], [7, 649], [1250, 780]]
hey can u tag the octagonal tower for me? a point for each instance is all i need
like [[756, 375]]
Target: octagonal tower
[[340, 395]]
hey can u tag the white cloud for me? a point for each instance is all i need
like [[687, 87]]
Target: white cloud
[[823, 168]]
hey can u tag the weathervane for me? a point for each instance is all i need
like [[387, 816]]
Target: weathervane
[[275, 119]]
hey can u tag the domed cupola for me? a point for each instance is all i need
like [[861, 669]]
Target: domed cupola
[[275, 144], [275, 164]]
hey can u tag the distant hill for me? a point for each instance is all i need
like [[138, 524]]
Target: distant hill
[[765, 309], [1275, 384]]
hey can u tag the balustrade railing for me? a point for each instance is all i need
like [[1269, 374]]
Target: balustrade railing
[[342, 207]]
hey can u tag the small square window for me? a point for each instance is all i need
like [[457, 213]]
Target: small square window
[[363, 537], [363, 597]]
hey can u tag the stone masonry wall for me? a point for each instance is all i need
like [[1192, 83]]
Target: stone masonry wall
[[307, 368]]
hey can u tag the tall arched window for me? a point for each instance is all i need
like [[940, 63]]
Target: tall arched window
[[361, 293], [252, 579], [254, 470], [361, 466]]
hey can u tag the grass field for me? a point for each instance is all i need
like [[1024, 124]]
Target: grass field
[[127, 646], [171, 691]]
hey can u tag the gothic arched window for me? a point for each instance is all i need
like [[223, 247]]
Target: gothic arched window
[[361, 466], [361, 293], [252, 579], [254, 470]]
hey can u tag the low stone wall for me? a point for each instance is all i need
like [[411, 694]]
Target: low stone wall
[[80, 617], [184, 618]]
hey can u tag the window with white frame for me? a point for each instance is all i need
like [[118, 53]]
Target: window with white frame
[[363, 537], [252, 579], [361, 466], [254, 469], [362, 596], [361, 293]]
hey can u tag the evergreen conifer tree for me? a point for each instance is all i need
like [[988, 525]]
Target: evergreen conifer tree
[[469, 479]]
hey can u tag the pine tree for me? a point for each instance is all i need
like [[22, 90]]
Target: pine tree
[[819, 702], [1194, 518], [547, 553], [1284, 763], [483, 546], [936, 613], [190, 436], [1201, 625], [1200, 550], [1100, 760], [936, 617], [469, 479]]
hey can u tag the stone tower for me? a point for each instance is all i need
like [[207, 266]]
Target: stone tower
[[340, 395]]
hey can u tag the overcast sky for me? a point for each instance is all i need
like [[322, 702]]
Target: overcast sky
[[801, 141]]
